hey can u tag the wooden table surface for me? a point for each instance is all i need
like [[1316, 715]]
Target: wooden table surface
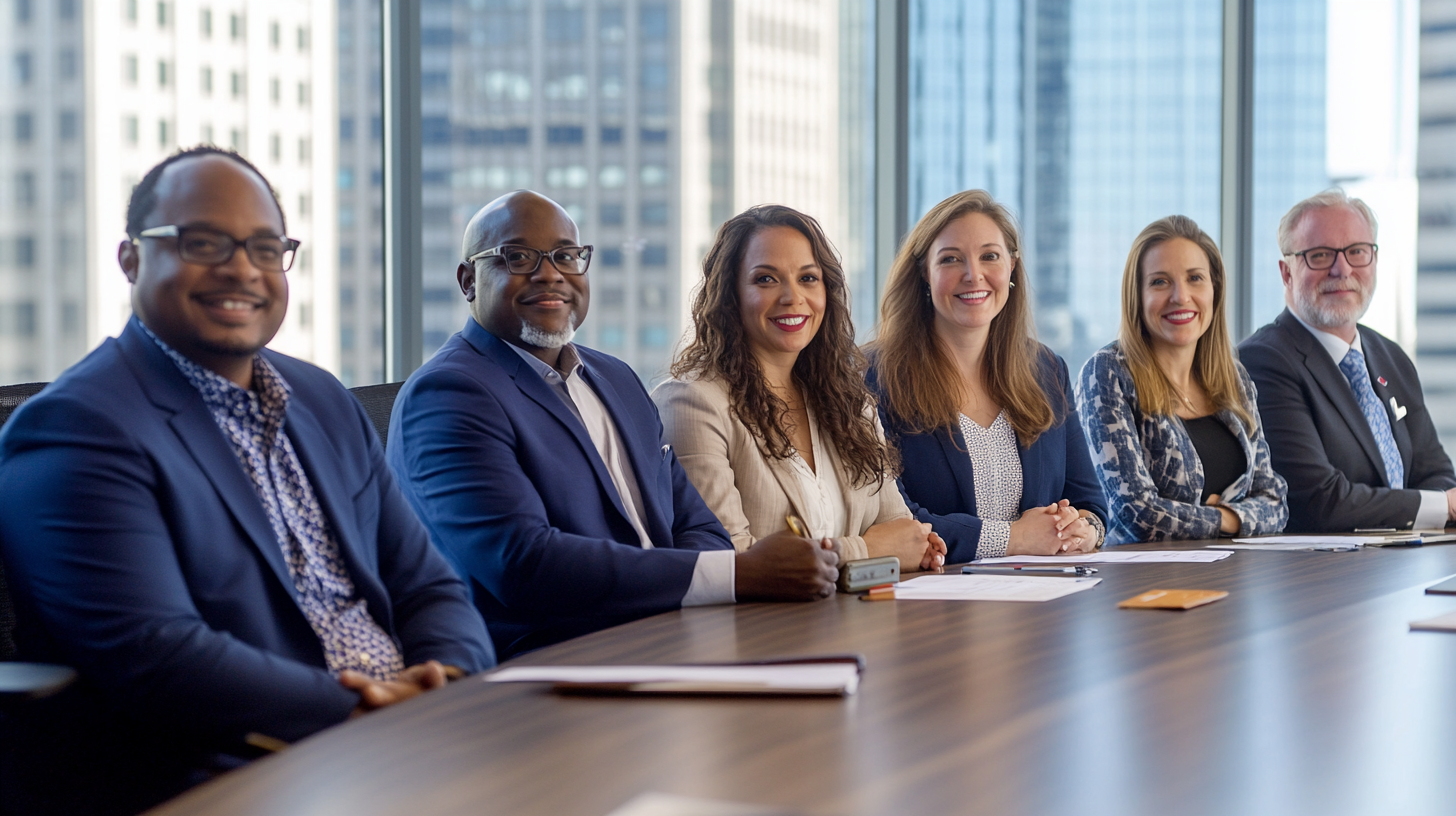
[[1302, 692]]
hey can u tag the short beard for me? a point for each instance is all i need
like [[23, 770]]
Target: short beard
[[532, 336], [1330, 317]]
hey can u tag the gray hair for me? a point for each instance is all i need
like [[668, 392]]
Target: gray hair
[[1333, 197]]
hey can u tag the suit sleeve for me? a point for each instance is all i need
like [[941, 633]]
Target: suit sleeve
[[88, 545], [1082, 488], [1137, 510], [1325, 499], [698, 435], [453, 445], [433, 617]]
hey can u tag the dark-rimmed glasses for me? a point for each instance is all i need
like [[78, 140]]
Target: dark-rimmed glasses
[[204, 245], [520, 260], [1357, 255]]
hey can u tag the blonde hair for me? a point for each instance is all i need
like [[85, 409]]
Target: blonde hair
[[1213, 358], [920, 382]]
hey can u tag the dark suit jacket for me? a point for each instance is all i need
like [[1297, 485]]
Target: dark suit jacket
[[1320, 440], [514, 492], [939, 484], [139, 552]]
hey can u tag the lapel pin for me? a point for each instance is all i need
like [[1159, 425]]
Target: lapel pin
[[1381, 380]]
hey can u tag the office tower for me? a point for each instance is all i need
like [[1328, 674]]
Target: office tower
[[1436, 293], [43, 214], [651, 122], [98, 92]]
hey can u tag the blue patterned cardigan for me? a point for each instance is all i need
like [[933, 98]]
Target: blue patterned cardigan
[[1150, 471]]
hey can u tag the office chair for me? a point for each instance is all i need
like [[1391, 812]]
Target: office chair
[[21, 681], [378, 402]]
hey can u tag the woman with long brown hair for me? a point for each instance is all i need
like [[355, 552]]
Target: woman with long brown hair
[[768, 410], [1171, 415], [968, 394]]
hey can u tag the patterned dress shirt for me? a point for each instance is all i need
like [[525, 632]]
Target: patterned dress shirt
[[252, 422]]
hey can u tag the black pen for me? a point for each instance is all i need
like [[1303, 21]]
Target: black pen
[[1012, 570]]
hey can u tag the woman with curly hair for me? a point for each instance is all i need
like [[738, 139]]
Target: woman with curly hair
[[969, 395], [768, 410]]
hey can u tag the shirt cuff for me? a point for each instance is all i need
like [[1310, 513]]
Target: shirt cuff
[[1434, 511], [995, 535], [713, 577]]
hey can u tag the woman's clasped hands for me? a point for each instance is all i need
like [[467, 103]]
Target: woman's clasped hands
[[913, 542], [1052, 530]]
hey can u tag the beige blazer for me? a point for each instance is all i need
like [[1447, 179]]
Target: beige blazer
[[751, 493]]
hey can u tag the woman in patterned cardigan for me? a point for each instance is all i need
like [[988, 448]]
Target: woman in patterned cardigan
[[1170, 415], [993, 454]]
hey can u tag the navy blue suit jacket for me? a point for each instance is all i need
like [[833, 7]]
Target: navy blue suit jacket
[[514, 492], [939, 484], [138, 551]]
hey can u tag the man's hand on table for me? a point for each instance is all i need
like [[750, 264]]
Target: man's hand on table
[[373, 694], [786, 567]]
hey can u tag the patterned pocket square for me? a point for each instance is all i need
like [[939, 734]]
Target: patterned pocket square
[[1399, 409]]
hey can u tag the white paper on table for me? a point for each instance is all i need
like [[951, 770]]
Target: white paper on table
[[989, 588], [1440, 623], [801, 676], [1311, 540], [1301, 546], [1144, 557]]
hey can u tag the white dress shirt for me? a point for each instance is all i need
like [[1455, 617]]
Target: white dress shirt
[[713, 574], [1434, 509]]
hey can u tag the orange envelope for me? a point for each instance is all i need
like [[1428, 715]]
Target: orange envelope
[[1172, 598]]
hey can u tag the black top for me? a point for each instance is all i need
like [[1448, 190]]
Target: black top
[[1219, 450]]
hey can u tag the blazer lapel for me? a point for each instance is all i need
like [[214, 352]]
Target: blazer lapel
[[958, 459], [198, 432], [534, 388], [644, 461], [1332, 381]]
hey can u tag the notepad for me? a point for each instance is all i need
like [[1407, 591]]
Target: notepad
[[1440, 623], [832, 678], [1143, 557], [990, 588]]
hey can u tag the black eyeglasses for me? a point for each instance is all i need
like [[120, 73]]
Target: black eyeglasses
[[1356, 255], [519, 260], [204, 245]]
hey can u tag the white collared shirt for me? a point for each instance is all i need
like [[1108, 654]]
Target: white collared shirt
[[1434, 509], [714, 573]]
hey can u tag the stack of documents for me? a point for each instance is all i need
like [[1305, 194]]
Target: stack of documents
[[989, 588], [833, 677]]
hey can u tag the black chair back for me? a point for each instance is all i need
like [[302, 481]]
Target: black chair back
[[378, 402], [11, 396]]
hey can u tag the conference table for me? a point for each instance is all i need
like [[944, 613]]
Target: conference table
[[1303, 691]]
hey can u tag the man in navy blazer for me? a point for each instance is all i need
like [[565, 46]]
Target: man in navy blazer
[[538, 464], [210, 581], [1352, 461]]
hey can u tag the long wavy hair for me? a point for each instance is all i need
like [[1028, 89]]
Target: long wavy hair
[[1213, 358], [921, 384], [829, 371]]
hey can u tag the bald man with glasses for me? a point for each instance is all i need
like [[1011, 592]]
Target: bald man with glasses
[[1342, 406]]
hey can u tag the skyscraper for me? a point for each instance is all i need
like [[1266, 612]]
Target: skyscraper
[[98, 92], [1437, 243]]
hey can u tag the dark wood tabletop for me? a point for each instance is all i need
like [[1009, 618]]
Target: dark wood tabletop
[[1301, 692]]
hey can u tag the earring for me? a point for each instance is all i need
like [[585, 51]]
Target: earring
[[1013, 284]]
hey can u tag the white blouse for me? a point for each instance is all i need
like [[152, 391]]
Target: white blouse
[[996, 472], [823, 508]]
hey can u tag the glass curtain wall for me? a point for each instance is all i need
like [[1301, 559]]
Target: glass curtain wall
[[1088, 119]]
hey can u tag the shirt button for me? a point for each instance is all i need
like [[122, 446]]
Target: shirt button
[[364, 658]]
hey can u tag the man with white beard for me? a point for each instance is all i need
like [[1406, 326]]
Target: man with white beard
[[538, 465], [1341, 404]]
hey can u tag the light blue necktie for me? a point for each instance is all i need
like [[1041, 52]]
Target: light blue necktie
[[1353, 367]]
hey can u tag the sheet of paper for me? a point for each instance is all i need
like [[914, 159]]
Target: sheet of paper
[[1308, 546], [989, 588], [654, 803], [1114, 557], [774, 676], [1440, 623], [1310, 540]]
